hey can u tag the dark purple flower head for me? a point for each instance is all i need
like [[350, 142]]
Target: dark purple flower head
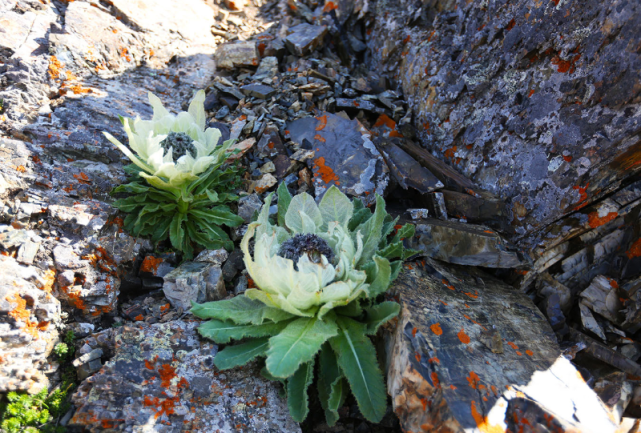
[[181, 144], [309, 244]]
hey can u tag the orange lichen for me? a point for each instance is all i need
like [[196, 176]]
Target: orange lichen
[[474, 380], [323, 122], [449, 153], [512, 345], [613, 283], [635, 249], [414, 332], [436, 329], [434, 359], [471, 295], [20, 313], [594, 220], [150, 264], [482, 423], [167, 373], [443, 302], [54, 67], [465, 339], [165, 307], [447, 284], [21, 168], [567, 158], [583, 195], [325, 172], [529, 352], [319, 138], [435, 380]]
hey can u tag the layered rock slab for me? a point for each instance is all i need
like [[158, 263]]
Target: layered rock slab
[[344, 155], [470, 354], [161, 378], [537, 102]]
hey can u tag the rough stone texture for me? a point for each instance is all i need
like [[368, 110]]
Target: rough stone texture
[[470, 354], [344, 156], [537, 102], [194, 281], [465, 244], [235, 54], [29, 315], [161, 378]]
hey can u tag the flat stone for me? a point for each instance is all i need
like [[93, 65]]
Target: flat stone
[[194, 281], [467, 349], [236, 54], [27, 252], [464, 244], [29, 328], [65, 258], [13, 238], [304, 38], [265, 182], [407, 171], [268, 68], [249, 205], [161, 378], [260, 91], [344, 156], [217, 257], [15, 28], [270, 143]]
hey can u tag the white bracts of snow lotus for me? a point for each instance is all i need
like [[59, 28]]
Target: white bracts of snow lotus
[[157, 161], [312, 286]]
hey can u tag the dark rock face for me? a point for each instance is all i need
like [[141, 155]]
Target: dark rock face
[[161, 378], [468, 349], [537, 102]]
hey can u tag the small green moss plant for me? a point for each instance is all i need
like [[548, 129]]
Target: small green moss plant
[[180, 185], [321, 272], [34, 413]]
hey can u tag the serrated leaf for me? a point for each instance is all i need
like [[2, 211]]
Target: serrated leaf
[[302, 204], [392, 251], [161, 230], [331, 390], [353, 309], [379, 314], [240, 310], [371, 231], [335, 206], [297, 384], [298, 343], [222, 332], [396, 269], [220, 215], [407, 231], [240, 354], [357, 360], [176, 231], [378, 272], [129, 204], [359, 217], [284, 199], [212, 195], [132, 188], [388, 225]]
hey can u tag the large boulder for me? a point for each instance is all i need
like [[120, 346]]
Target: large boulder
[[537, 102]]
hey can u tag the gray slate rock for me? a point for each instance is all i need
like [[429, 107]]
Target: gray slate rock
[[162, 378], [194, 281]]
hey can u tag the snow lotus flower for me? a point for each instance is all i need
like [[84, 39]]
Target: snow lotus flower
[[319, 272], [172, 150]]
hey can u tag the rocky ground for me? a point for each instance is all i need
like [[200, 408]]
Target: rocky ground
[[508, 133]]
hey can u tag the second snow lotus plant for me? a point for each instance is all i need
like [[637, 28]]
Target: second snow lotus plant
[[180, 186], [319, 271]]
